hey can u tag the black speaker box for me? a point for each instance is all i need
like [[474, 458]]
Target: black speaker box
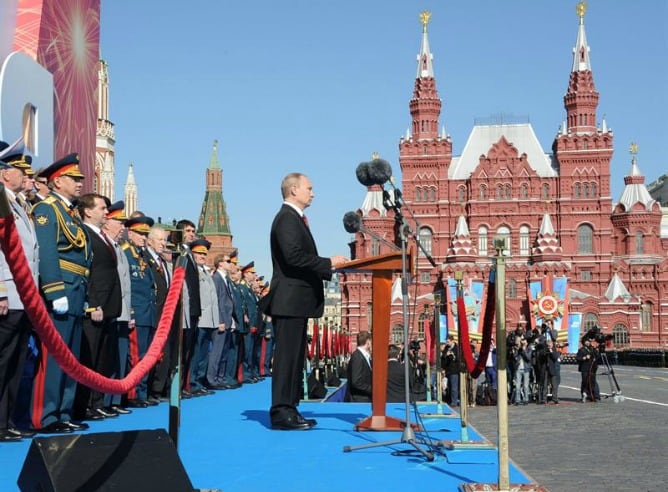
[[143, 460]]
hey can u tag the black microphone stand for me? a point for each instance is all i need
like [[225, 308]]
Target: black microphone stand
[[408, 434]]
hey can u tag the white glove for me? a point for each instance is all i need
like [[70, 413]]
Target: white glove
[[60, 305]]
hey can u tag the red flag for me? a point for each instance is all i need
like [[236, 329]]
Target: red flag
[[325, 342]]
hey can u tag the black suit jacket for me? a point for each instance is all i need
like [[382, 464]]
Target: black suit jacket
[[161, 287], [396, 381], [296, 285], [104, 285], [358, 388]]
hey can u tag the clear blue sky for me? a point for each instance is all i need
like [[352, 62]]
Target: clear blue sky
[[316, 86]]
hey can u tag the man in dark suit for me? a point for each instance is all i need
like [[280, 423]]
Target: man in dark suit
[[99, 343], [296, 294], [396, 376], [358, 388], [216, 372]]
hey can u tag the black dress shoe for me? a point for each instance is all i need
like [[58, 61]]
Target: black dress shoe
[[186, 394], [77, 426], [311, 422], [137, 403], [22, 432], [107, 413], [231, 386], [56, 428], [93, 415], [153, 401], [119, 410], [7, 436], [290, 423]]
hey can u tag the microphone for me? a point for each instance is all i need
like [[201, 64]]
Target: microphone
[[362, 172], [380, 171], [352, 223]]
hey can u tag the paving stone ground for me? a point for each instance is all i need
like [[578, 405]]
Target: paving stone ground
[[604, 446]]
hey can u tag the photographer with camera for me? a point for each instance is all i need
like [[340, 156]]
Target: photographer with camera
[[587, 358], [520, 363], [450, 364], [554, 369]]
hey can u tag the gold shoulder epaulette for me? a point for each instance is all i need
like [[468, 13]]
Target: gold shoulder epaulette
[[125, 246], [49, 199]]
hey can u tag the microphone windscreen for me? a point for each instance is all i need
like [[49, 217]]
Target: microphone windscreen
[[363, 174], [352, 222], [379, 171]]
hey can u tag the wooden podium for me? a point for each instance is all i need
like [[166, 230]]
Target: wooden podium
[[382, 268]]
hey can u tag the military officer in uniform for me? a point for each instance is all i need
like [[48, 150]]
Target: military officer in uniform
[[14, 324], [143, 299], [65, 259], [249, 362]]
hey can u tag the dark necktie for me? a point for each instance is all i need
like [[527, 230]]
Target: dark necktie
[[305, 220]]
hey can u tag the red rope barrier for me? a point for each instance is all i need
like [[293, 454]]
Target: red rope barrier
[[475, 368], [49, 336]]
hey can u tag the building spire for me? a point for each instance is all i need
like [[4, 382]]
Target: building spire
[[213, 161], [425, 106], [130, 194], [581, 61], [581, 99], [635, 191], [214, 220], [425, 67]]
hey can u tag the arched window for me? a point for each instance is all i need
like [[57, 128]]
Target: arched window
[[592, 189], [504, 232], [585, 190], [499, 191], [524, 240], [397, 334], [512, 289], [620, 335], [461, 194], [418, 194], [483, 192], [509, 192], [425, 240], [576, 190], [585, 239], [646, 317], [525, 191], [432, 194], [482, 241], [589, 321], [375, 246], [369, 317], [545, 191], [640, 243]]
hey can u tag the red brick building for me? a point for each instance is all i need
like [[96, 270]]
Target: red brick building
[[555, 208]]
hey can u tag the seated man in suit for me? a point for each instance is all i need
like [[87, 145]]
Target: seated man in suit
[[358, 388]]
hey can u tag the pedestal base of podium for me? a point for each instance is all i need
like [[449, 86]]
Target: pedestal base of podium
[[454, 445], [514, 487], [383, 423]]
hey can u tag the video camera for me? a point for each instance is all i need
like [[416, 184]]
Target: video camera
[[594, 334]]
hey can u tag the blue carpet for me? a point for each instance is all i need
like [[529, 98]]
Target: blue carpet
[[226, 443]]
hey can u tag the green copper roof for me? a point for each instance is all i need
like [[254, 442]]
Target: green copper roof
[[213, 220], [213, 161]]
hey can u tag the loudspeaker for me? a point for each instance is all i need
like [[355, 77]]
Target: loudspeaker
[[141, 460]]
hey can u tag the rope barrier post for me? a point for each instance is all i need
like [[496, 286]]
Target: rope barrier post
[[502, 376], [437, 352], [175, 385], [463, 371]]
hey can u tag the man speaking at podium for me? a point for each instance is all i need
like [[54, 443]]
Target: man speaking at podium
[[295, 294]]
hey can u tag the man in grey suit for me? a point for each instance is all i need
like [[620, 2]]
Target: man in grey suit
[[216, 374], [295, 295], [14, 324]]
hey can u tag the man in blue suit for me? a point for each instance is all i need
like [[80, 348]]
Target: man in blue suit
[[296, 294], [65, 259], [216, 373]]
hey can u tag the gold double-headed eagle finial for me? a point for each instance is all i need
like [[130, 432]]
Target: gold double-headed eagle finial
[[633, 149], [425, 15], [375, 155], [581, 8]]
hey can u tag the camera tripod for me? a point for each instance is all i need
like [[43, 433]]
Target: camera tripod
[[615, 390]]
